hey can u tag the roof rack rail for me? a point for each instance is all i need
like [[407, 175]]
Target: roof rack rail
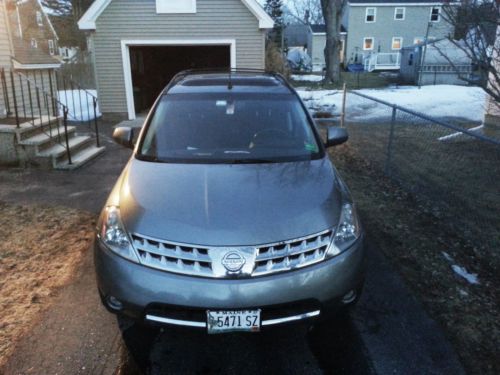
[[229, 71]]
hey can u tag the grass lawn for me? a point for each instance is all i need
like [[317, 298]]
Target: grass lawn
[[414, 228], [40, 249]]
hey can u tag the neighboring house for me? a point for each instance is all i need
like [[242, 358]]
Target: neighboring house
[[138, 45], [384, 27], [296, 35], [28, 44], [317, 43], [435, 63], [68, 53]]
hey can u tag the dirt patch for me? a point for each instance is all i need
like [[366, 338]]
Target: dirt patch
[[412, 236], [40, 249]]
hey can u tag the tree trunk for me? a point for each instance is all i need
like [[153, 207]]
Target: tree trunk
[[332, 11]]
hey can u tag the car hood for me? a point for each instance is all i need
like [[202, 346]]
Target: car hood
[[229, 204]]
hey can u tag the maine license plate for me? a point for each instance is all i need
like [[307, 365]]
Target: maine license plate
[[230, 321]]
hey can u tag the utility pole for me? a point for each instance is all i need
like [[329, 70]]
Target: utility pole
[[424, 51]]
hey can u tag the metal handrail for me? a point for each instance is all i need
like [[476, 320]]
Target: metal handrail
[[42, 101]]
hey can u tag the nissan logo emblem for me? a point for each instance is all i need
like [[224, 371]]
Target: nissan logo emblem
[[233, 261]]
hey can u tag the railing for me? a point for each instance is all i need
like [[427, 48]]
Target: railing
[[23, 97], [81, 99], [382, 61]]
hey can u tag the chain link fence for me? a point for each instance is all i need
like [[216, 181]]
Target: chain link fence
[[454, 169]]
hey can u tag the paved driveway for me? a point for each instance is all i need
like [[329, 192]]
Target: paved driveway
[[389, 332]]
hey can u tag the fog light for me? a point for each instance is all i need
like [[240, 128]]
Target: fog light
[[114, 303], [349, 297]]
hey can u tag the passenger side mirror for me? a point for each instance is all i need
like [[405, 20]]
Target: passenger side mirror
[[336, 136], [124, 136]]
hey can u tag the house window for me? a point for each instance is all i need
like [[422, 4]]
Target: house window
[[175, 6], [418, 40], [399, 14], [435, 14], [39, 19], [368, 44], [371, 14], [51, 47], [397, 43], [34, 44]]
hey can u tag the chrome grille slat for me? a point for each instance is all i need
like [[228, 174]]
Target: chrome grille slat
[[205, 261]]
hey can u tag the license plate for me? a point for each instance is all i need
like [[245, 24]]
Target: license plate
[[231, 321]]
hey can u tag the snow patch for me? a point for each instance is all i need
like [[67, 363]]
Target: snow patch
[[80, 104], [307, 78], [461, 271], [435, 101]]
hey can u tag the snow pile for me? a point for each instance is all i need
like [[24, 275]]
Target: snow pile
[[307, 78], [80, 104], [435, 101], [461, 271]]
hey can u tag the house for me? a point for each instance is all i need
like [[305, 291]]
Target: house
[[138, 45], [317, 43], [28, 44], [33, 130], [437, 62], [296, 35], [379, 29]]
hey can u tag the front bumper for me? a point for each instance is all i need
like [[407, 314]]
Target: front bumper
[[162, 297]]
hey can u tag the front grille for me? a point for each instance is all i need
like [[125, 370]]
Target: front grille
[[291, 254], [207, 261]]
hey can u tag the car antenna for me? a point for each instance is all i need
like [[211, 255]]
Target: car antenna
[[229, 84]]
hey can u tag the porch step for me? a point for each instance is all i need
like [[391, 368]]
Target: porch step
[[58, 151], [80, 158], [31, 128], [43, 141]]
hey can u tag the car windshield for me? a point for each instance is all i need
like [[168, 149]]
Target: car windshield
[[229, 128]]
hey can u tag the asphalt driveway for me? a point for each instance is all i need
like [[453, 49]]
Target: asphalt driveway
[[389, 332]]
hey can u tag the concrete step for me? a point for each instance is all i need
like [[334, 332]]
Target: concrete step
[[37, 126], [80, 158], [43, 141], [58, 151]]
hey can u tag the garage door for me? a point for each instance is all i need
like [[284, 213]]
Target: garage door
[[152, 67]]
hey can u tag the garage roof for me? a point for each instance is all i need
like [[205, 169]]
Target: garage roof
[[87, 22]]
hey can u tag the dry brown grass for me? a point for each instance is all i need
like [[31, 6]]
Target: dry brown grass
[[413, 237], [39, 252]]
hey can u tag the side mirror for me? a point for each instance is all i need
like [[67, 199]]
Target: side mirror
[[336, 136], [124, 136]]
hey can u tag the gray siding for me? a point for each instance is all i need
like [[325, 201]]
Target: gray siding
[[386, 27], [137, 19], [5, 51], [318, 52]]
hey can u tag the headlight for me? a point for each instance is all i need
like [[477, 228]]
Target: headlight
[[113, 234], [347, 232]]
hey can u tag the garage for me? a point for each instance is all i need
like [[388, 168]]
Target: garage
[[152, 67]]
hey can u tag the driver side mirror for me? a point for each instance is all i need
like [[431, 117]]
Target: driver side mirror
[[336, 136], [124, 136]]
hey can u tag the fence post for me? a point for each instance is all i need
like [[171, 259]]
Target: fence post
[[94, 101], [342, 115], [65, 123], [389, 144]]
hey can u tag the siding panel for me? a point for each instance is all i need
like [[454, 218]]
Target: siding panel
[[137, 19]]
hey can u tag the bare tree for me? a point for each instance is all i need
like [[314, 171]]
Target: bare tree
[[305, 11], [332, 13], [476, 25]]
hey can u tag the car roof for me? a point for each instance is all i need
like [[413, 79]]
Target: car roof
[[228, 82]]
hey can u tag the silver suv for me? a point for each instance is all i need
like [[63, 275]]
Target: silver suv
[[229, 216]]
